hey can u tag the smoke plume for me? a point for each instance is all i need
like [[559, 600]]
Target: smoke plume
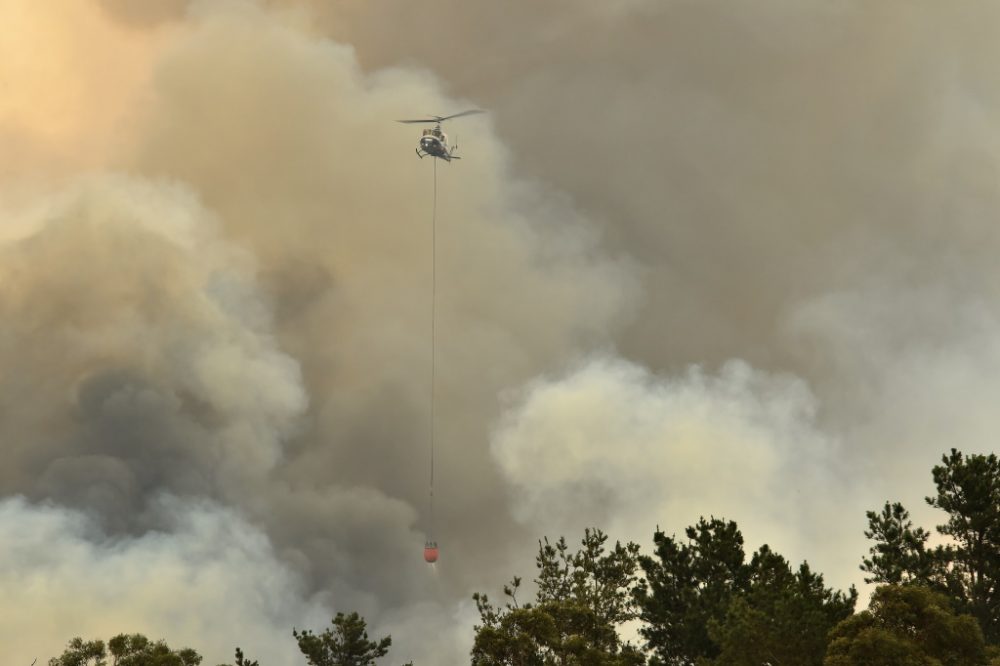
[[697, 259]]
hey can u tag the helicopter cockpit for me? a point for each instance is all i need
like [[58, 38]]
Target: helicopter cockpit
[[433, 141]]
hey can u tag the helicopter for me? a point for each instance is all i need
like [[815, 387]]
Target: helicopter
[[434, 142]]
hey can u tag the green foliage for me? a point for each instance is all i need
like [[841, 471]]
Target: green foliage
[[968, 491], [81, 653], [581, 600], [242, 660], [783, 617], [704, 604], [907, 625], [346, 644], [900, 553], [125, 650], [687, 586]]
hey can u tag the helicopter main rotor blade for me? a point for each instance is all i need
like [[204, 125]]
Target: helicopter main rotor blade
[[441, 119], [463, 113]]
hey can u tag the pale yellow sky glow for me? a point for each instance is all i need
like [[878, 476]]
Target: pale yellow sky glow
[[73, 82]]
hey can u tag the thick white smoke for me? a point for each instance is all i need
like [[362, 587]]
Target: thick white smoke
[[611, 445], [910, 369], [209, 577]]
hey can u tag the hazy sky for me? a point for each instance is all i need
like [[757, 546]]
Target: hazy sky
[[700, 258]]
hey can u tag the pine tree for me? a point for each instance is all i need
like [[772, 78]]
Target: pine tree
[[581, 600], [968, 571], [346, 644]]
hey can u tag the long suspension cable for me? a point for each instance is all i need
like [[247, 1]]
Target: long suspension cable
[[433, 338]]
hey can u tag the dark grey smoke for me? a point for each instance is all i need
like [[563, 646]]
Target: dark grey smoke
[[806, 186], [752, 158]]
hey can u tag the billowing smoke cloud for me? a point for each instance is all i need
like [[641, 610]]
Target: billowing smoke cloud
[[234, 308], [208, 577], [921, 362], [808, 187], [145, 350], [311, 181], [214, 292], [749, 158], [610, 444]]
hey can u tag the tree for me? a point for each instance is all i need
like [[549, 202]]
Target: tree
[[582, 599], [687, 586], [968, 490], [80, 653], [703, 603], [346, 644], [125, 650], [968, 571], [242, 660], [907, 625], [900, 553], [783, 617]]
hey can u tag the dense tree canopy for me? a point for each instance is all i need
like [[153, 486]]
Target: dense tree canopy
[[702, 602], [687, 586], [904, 625], [783, 617]]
